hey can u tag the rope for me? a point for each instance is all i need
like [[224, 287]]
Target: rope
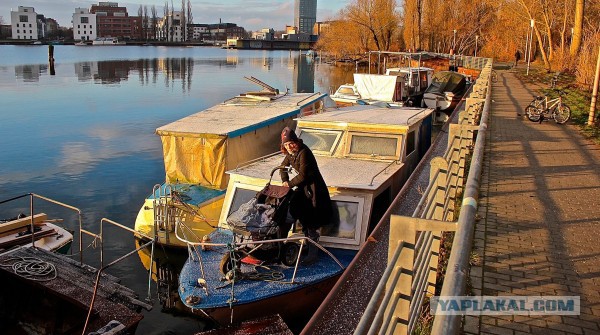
[[32, 268]]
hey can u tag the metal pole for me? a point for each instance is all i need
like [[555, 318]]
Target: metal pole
[[530, 45], [454, 42], [32, 227], [527, 47], [592, 116]]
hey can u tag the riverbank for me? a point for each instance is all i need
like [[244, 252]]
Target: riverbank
[[139, 43]]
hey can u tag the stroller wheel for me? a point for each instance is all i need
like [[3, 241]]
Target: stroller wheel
[[227, 264], [289, 253]]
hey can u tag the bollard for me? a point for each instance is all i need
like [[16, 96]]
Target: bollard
[[51, 53]]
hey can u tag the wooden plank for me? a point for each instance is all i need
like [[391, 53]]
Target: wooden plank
[[257, 97], [13, 239], [18, 223]]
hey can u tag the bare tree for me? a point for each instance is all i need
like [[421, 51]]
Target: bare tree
[[166, 27], [141, 21], [379, 17], [154, 21], [145, 23], [577, 26], [190, 17], [183, 22]]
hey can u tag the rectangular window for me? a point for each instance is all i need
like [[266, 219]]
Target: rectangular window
[[23, 18], [373, 146], [78, 26], [346, 224], [85, 19], [320, 140], [30, 25], [17, 25], [18, 31], [31, 31]]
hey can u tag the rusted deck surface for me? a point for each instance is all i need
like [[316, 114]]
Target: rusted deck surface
[[71, 289]]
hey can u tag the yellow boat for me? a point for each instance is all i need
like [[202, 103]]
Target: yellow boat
[[199, 148]]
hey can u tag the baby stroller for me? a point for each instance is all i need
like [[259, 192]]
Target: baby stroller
[[265, 217]]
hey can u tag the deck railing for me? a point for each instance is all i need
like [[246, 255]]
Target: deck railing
[[414, 241]]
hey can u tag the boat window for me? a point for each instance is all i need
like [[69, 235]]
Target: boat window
[[410, 142], [320, 141], [373, 145], [345, 223], [346, 90]]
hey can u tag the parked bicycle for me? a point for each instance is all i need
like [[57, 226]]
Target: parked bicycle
[[542, 107]]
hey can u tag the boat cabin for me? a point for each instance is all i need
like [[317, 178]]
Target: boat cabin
[[199, 148], [370, 89], [364, 152], [417, 81]]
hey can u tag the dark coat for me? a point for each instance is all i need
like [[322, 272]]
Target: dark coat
[[311, 203]]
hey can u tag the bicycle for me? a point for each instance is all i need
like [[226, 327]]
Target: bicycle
[[543, 108]]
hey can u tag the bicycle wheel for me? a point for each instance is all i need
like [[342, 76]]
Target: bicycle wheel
[[562, 114], [533, 113]]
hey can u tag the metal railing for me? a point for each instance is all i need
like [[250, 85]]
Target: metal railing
[[414, 241], [33, 196], [97, 237]]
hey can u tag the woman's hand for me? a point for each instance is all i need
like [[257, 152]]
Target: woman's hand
[[286, 184]]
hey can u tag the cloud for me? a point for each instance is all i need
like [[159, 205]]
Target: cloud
[[250, 14]]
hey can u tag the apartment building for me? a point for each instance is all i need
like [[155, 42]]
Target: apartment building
[[84, 25], [25, 24]]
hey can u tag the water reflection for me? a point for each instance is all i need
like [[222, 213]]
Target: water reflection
[[91, 143]]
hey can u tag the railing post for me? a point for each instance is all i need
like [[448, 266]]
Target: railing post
[[439, 164], [401, 230]]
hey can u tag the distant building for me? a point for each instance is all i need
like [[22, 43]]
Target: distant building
[[25, 24], [264, 34], [199, 31], [114, 21], [305, 15], [84, 25], [320, 27], [170, 28]]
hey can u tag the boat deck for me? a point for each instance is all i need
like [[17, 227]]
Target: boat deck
[[73, 287], [249, 290]]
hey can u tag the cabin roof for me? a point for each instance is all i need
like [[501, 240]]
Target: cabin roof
[[337, 172], [402, 117], [239, 115]]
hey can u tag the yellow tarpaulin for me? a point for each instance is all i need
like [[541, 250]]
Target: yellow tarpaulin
[[195, 160]]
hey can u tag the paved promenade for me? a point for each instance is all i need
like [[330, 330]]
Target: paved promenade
[[539, 227]]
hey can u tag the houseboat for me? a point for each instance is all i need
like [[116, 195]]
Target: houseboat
[[445, 91], [108, 41], [371, 88], [416, 82], [365, 154], [199, 148]]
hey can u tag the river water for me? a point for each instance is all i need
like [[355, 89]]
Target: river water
[[83, 132]]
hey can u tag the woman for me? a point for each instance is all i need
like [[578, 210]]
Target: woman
[[310, 202]]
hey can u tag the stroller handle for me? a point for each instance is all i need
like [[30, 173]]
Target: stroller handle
[[280, 167]]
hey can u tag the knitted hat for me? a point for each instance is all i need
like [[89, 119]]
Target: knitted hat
[[288, 135]]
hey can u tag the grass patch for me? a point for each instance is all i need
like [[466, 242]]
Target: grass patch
[[579, 100]]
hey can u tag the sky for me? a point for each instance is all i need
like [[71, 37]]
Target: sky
[[250, 14]]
